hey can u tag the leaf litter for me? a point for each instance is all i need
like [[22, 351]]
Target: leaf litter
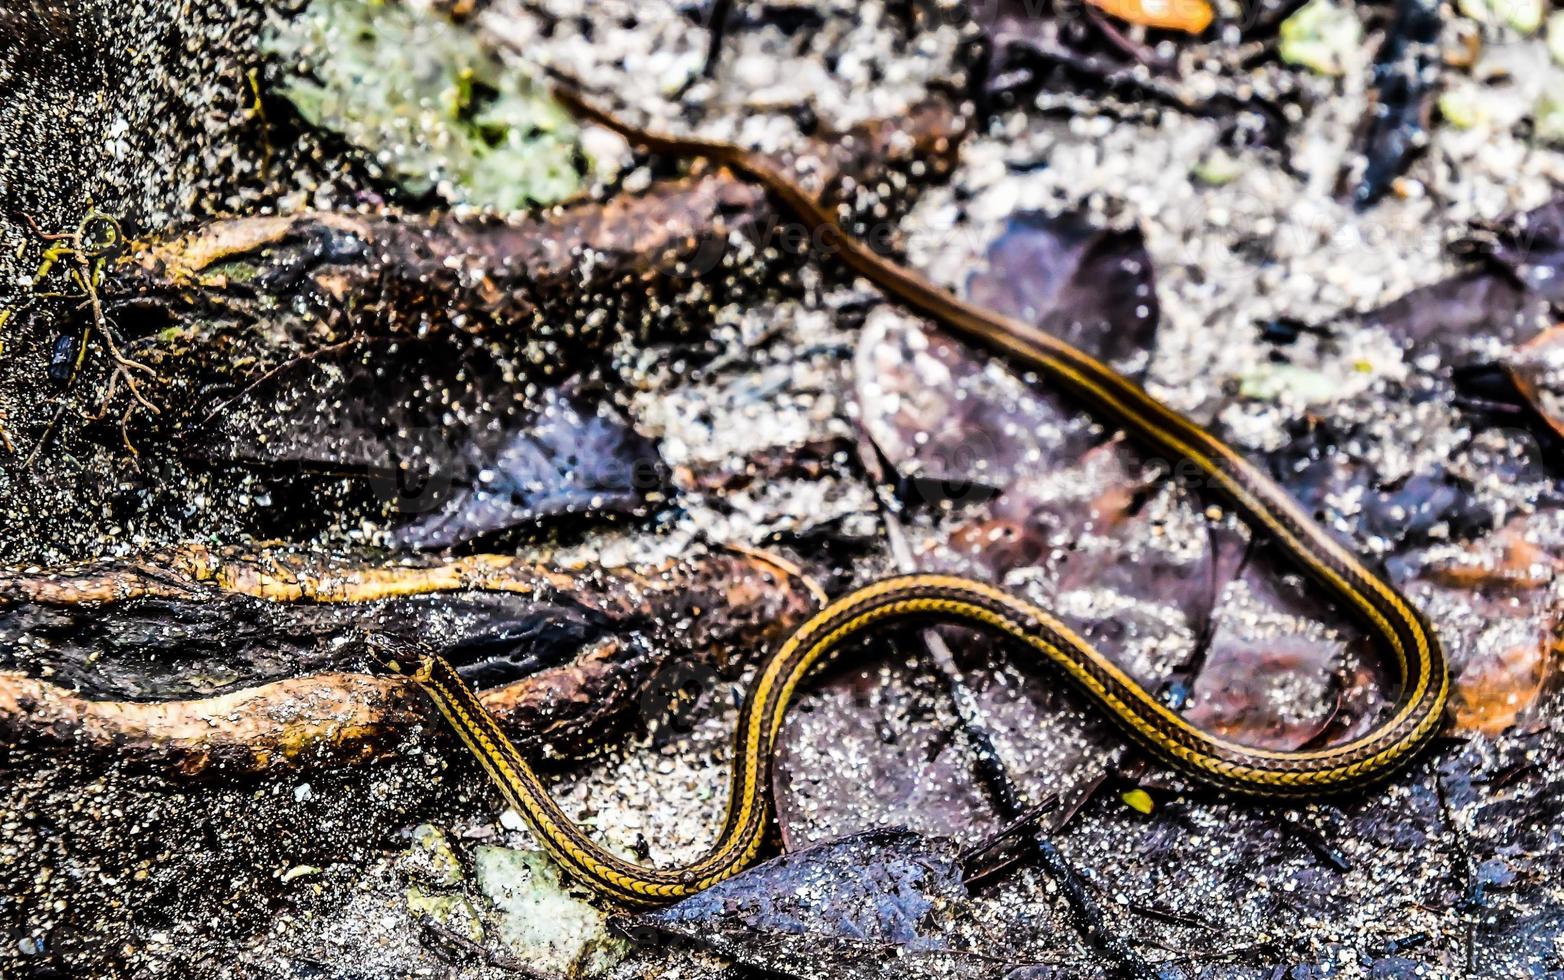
[[1437, 839]]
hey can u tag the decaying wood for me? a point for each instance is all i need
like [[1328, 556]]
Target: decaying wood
[[716, 611], [233, 299], [323, 719], [191, 571]]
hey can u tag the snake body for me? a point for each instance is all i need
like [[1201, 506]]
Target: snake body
[[1398, 626]]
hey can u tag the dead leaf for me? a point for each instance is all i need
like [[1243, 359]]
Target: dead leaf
[[1326, 462], [441, 438], [1457, 317], [869, 747], [1128, 560], [937, 411], [1093, 287], [1531, 246], [1493, 692], [883, 905], [573, 455], [1501, 626], [1189, 16], [1537, 371]]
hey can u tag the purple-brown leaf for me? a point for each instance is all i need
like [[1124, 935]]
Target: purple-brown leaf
[[885, 904], [1093, 287]]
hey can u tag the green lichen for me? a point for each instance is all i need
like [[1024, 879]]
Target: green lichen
[[1524, 16], [1288, 383], [542, 924], [300, 871], [1548, 115], [1464, 106], [1218, 168], [432, 857], [436, 894], [429, 101], [450, 910], [1322, 37]]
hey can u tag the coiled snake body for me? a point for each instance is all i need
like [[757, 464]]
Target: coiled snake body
[[1396, 624]]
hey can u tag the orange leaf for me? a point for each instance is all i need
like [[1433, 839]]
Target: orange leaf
[[1505, 647], [1493, 690], [1527, 372], [1518, 565], [1190, 16]]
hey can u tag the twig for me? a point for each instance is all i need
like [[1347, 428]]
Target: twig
[[1316, 842], [1134, 49], [1269, 24], [1195, 662], [1128, 82], [1168, 915], [1005, 835], [88, 259], [124, 368], [1081, 800], [438, 930], [1084, 912], [291, 362], [1267, 948], [717, 28], [43, 440], [1463, 855], [1402, 87]]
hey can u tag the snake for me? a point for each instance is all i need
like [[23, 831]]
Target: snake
[[1398, 627]]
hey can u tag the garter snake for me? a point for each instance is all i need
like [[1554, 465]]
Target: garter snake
[[1397, 625]]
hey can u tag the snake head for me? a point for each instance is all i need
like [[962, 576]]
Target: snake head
[[400, 655]]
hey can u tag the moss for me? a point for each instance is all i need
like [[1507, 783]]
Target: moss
[[234, 270], [1548, 116], [451, 911], [434, 106]]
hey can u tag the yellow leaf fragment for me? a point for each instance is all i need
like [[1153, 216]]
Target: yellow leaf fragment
[[1138, 800]]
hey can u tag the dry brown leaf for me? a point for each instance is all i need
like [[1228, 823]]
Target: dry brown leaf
[[1504, 647], [1492, 691], [1530, 371]]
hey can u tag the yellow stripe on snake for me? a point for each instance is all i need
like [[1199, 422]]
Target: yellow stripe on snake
[[1398, 627]]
